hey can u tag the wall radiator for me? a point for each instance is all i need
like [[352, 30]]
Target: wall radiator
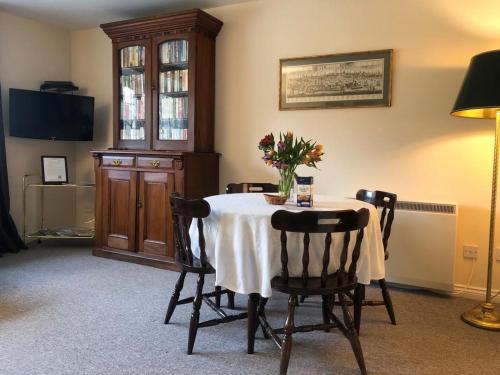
[[422, 246]]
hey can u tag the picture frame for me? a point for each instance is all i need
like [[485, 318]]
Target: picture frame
[[346, 80], [54, 170]]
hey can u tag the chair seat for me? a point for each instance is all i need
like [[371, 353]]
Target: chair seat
[[334, 284], [196, 267]]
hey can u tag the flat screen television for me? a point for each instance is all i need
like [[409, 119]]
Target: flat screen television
[[47, 115]]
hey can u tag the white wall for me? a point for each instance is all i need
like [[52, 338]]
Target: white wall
[[91, 68], [30, 53], [414, 148]]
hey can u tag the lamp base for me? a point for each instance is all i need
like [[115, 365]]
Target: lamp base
[[483, 316]]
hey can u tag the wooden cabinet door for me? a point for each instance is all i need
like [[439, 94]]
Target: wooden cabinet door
[[119, 206], [155, 220]]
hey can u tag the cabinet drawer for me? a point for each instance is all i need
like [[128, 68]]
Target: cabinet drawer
[[143, 162], [118, 161]]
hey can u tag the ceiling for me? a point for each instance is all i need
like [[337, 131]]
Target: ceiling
[[79, 14]]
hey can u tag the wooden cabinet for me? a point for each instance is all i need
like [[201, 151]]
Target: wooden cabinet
[[163, 133]]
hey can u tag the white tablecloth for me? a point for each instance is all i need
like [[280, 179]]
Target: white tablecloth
[[245, 250]]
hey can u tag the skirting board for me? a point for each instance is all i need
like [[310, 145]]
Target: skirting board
[[473, 292], [459, 290]]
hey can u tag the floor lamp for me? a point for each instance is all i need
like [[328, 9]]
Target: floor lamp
[[479, 97]]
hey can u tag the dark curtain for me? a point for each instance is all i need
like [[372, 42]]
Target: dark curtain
[[9, 237]]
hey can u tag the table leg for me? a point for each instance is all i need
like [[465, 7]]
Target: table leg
[[253, 300]]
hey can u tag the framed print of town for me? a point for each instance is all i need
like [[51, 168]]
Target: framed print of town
[[359, 79]]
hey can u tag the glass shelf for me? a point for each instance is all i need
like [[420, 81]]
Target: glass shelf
[[61, 185]]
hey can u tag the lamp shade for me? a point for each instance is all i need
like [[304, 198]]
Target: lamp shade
[[479, 96]]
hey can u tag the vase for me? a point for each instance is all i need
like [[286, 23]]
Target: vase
[[285, 185]]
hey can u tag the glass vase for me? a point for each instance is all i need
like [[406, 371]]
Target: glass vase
[[285, 185]]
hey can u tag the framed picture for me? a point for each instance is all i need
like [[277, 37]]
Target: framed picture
[[54, 170], [359, 79]]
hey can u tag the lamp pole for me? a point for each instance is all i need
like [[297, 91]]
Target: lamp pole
[[484, 315]]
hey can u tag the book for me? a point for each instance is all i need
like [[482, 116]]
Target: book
[[132, 56], [174, 51], [174, 81]]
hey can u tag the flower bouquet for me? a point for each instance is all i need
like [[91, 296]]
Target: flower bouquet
[[287, 154]]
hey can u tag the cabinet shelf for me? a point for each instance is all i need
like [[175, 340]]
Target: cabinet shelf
[[175, 94], [133, 95], [164, 120], [173, 66], [132, 70]]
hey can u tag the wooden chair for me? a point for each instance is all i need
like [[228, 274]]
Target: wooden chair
[[328, 286], [251, 187], [183, 212], [387, 202]]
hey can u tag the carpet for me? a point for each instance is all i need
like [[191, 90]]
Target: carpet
[[63, 311]]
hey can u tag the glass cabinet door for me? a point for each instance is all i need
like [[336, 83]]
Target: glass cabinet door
[[132, 126], [173, 80]]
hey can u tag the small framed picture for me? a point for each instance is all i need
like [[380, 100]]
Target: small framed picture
[[358, 79], [54, 170]]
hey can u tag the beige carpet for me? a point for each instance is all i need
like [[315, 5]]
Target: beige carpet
[[63, 311]]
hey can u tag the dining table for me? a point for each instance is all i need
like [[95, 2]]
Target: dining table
[[245, 250]]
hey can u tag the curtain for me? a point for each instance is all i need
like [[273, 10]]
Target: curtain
[[9, 237]]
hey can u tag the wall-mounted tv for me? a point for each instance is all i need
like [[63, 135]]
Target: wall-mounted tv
[[47, 115]]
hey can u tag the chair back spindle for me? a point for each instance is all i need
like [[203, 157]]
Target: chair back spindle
[[305, 259], [325, 222], [183, 213], [355, 254], [284, 256], [326, 258], [387, 202]]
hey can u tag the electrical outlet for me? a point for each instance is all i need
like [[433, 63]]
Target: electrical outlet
[[470, 251], [497, 254]]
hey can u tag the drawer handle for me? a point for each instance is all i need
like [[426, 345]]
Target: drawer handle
[[155, 163], [117, 162]]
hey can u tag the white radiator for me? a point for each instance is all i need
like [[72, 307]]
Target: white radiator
[[422, 245]]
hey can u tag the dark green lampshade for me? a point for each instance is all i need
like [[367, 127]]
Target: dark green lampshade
[[479, 96]]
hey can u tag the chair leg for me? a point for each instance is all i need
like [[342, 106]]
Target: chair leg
[[286, 346], [262, 311], [332, 302], [353, 336], [175, 297], [387, 300], [195, 316], [253, 300], [217, 296], [359, 294], [230, 300], [326, 308]]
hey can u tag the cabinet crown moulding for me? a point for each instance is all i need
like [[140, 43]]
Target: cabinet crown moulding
[[188, 20]]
